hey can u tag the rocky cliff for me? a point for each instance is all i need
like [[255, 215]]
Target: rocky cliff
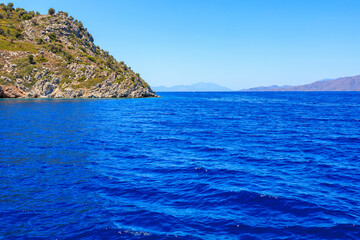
[[54, 56]]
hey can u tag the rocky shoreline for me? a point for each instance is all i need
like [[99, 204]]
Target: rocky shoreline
[[116, 92]]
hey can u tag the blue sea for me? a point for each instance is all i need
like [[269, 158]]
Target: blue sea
[[235, 165]]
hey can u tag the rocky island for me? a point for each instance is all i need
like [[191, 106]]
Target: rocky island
[[54, 56]]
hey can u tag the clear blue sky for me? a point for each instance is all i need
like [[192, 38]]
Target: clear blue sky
[[238, 44]]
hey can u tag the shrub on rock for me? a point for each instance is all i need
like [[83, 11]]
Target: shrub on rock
[[51, 11]]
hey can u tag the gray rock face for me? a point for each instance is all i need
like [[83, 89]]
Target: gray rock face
[[48, 87]]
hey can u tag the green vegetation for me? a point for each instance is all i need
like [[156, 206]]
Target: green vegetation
[[64, 80], [52, 36], [41, 60], [82, 49], [19, 35], [83, 78], [55, 48], [87, 83], [110, 64], [67, 75], [4, 82], [31, 59], [23, 66], [91, 58], [51, 11], [27, 16], [9, 76], [66, 72], [9, 13], [39, 41], [81, 26], [17, 46], [68, 57], [93, 81], [122, 78]]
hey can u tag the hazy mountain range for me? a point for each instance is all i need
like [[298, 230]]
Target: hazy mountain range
[[339, 84], [197, 87], [268, 88]]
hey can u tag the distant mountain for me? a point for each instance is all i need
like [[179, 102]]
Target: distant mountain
[[339, 84], [326, 79], [269, 88], [197, 87]]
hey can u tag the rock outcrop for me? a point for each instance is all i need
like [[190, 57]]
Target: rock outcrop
[[11, 92], [54, 56]]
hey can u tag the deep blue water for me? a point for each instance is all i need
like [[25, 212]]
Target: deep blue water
[[184, 166]]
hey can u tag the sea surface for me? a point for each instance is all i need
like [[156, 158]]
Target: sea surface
[[272, 165]]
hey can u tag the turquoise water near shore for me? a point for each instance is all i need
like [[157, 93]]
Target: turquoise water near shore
[[276, 165]]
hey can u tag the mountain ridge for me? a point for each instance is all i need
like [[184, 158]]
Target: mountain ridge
[[339, 84], [196, 87], [54, 56], [265, 88]]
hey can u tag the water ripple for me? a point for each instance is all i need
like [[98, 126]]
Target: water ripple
[[184, 166]]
